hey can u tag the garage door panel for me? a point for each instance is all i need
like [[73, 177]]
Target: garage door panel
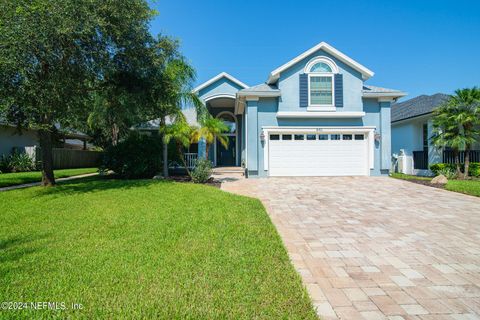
[[317, 157]]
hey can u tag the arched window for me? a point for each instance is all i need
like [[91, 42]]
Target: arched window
[[321, 72], [229, 120], [320, 67]]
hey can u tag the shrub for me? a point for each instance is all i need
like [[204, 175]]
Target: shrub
[[17, 162], [136, 157], [202, 171], [474, 169], [448, 172], [437, 167]]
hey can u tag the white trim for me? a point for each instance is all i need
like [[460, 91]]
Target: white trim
[[317, 129], [219, 95], [318, 108], [387, 95], [368, 130], [323, 59], [314, 107], [230, 135], [371, 148], [246, 138], [218, 77], [366, 73], [266, 94], [266, 149], [320, 114]]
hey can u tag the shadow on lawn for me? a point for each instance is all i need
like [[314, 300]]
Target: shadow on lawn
[[16, 247], [94, 184]]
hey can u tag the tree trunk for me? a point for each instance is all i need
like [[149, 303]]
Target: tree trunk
[[165, 149], [207, 148], [467, 162], [182, 158], [115, 132], [457, 162], [45, 140]]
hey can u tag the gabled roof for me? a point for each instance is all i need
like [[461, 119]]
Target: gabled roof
[[366, 73], [260, 90], [218, 77], [417, 106], [379, 92]]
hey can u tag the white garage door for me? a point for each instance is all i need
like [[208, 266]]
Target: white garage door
[[333, 154]]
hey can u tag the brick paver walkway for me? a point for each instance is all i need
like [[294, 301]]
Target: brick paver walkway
[[377, 248]]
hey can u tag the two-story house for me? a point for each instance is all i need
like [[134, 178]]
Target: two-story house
[[314, 116]]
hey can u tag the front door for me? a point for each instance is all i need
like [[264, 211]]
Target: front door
[[226, 156]]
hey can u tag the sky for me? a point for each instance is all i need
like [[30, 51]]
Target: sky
[[421, 47]]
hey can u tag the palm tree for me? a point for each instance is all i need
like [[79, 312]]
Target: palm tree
[[210, 129], [171, 77], [456, 124], [181, 132]]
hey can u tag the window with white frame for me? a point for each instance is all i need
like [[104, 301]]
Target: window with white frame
[[321, 83]]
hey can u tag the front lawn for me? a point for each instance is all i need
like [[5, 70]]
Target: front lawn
[[145, 249], [470, 187], [11, 179]]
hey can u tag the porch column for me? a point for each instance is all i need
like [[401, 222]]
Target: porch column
[[202, 149], [252, 131], [385, 133]]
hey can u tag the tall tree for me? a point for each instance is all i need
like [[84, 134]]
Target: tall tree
[[53, 54], [457, 124], [171, 78]]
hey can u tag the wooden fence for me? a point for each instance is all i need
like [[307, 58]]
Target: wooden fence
[[68, 158]]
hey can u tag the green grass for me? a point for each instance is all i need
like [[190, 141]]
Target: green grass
[[409, 177], [471, 187], [145, 249], [11, 179]]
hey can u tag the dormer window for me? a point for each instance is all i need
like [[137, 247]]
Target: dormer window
[[321, 84]]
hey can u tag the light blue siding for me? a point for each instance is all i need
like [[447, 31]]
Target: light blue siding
[[288, 84], [266, 109], [408, 135], [221, 86]]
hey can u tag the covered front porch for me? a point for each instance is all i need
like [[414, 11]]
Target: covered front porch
[[221, 107]]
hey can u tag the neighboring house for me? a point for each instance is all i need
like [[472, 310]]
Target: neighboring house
[[11, 138], [314, 116], [411, 132]]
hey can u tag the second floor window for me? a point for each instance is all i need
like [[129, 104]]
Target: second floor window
[[321, 83], [321, 90]]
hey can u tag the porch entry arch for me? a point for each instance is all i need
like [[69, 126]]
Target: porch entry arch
[[232, 122]]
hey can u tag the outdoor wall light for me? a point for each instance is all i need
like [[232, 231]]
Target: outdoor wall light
[[262, 136], [377, 136]]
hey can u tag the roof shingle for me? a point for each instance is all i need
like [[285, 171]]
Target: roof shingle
[[417, 106]]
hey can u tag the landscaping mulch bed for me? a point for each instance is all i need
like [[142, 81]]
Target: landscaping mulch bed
[[211, 182], [427, 183]]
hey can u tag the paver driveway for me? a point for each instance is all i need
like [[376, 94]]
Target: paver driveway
[[376, 248]]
